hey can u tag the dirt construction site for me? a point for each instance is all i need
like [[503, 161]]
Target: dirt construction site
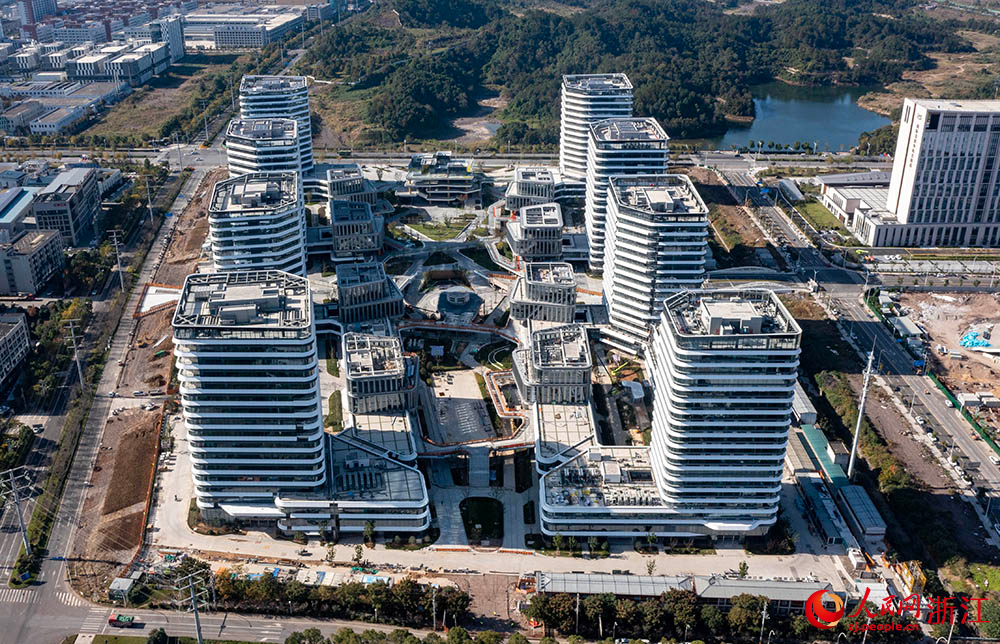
[[947, 319], [115, 509]]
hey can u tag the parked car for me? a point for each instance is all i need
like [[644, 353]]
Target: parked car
[[138, 392]]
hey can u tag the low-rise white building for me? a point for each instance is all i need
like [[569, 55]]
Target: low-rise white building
[[544, 292], [379, 376], [15, 344], [555, 368], [29, 261], [440, 179], [535, 232], [365, 293], [531, 186]]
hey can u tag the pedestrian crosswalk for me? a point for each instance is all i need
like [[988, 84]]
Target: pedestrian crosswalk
[[96, 619], [15, 595], [70, 599]]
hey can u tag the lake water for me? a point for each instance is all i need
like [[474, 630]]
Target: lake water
[[788, 113]]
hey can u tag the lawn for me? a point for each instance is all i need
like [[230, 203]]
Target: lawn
[[148, 109], [480, 256], [335, 419], [820, 217], [502, 356], [443, 230], [483, 518]]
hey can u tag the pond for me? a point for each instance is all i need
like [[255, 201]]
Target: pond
[[789, 113]]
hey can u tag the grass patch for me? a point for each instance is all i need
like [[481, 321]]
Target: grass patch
[[443, 230], [505, 250], [495, 420], [820, 217], [503, 356], [483, 518], [438, 258], [480, 256], [724, 229], [335, 418], [398, 265]]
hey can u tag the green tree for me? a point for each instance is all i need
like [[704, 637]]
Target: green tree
[[745, 614], [359, 555], [369, 531], [159, 636], [557, 541], [742, 570], [592, 544], [682, 604], [331, 553], [308, 636], [458, 635], [713, 619], [571, 543], [650, 566], [517, 638]]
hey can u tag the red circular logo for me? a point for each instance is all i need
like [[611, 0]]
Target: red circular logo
[[818, 615]]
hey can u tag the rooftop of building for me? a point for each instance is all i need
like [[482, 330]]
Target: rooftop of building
[[632, 130], [562, 347], [564, 428], [9, 321], [31, 240], [14, 202], [254, 194], [705, 586], [263, 129], [271, 84], [369, 356], [560, 273], [21, 108], [597, 83], [539, 175], [872, 178], [947, 105], [246, 299], [729, 312], [604, 477], [67, 181], [341, 171], [546, 215], [391, 431], [439, 164], [343, 210], [362, 475], [671, 195], [58, 114], [359, 273]]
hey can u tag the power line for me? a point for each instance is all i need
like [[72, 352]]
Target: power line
[[116, 242], [12, 483], [71, 325]]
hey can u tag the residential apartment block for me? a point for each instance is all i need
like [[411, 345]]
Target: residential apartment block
[[29, 261], [256, 222], [15, 343], [262, 145], [656, 240], [379, 376], [587, 98], [280, 97]]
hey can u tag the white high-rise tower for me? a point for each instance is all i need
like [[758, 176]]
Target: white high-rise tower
[[587, 98], [280, 97]]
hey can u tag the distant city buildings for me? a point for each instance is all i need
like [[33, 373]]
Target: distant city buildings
[[240, 27], [586, 98], [284, 97], [618, 146], [256, 222], [657, 238]]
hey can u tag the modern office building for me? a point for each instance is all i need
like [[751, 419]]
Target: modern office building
[[70, 205], [32, 11], [555, 368], [656, 239], [262, 145], [587, 98], [245, 345], [29, 261], [723, 367], [531, 186], [380, 377], [15, 208], [944, 189], [365, 292], [15, 343], [241, 28], [345, 182], [544, 292], [534, 233], [439, 179], [621, 146], [168, 29], [256, 222], [280, 97], [355, 232]]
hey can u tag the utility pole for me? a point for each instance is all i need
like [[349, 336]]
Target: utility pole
[[73, 337], [116, 242], [197, 589], [180, 159], [149, 200], [12, 482], [861, 414], [763, 618], [434, 606], [577, 614]]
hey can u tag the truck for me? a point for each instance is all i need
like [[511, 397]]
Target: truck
[[122, 621], [160, 353]]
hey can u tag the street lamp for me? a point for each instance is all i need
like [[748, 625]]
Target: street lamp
[[769, 634], [839, 635]]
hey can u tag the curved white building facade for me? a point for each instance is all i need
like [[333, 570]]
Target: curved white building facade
[[280, 97], [620, 146], [587, 98], [249, 388], [657, 235], [262, 145], [256, 222]]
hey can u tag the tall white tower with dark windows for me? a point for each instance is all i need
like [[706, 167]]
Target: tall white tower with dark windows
[[280, 97], [587, 98]]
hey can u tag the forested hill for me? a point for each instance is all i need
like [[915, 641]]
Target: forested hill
[[691, 61]]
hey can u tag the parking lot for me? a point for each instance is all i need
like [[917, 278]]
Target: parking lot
[[460, 408]]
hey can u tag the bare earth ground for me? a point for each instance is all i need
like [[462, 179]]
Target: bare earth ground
[[731, 227], [894, 429], [148, 108], [142, 370], [946, 318], [952, 74], [111, 527], [184, 246]]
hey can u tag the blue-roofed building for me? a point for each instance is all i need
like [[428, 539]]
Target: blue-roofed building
[[15, 207]]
